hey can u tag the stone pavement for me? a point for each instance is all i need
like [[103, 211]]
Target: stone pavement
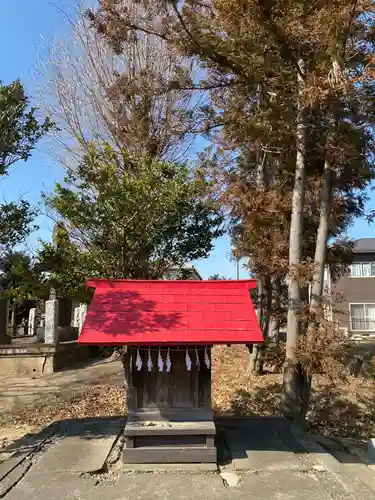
[[258, 459]]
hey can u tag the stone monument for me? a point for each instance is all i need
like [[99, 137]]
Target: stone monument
[[52, 306], [31, 329]]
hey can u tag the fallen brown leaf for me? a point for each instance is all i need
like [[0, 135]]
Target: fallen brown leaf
[[348, 410]]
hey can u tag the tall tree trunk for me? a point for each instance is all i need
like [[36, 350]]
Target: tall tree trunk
[[336, 78], [264, 313], [303, 384], [294, 383], [322, 236], [277, 307], [319, 264], [254, 348]]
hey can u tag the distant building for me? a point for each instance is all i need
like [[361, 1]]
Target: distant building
[[358, 287], [186, 273]]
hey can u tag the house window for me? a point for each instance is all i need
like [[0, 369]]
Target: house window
[[362, 317], [362, 269]]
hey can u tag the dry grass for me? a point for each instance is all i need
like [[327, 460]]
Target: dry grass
[[346, 411], [235, 392], [99, 401]]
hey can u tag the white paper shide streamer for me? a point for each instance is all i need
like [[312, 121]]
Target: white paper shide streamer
[[149, 361], [207, 359], [160, 362], [138, 361], [168, 362], [188, 361]]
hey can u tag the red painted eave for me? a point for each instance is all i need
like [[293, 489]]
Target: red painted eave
[[138, 312]]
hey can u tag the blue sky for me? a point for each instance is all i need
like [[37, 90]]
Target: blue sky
[[23, 26]]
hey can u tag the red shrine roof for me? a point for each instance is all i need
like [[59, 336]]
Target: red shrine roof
[[170, 312]]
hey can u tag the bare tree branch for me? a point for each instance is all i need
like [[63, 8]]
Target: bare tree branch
[[130, 100]]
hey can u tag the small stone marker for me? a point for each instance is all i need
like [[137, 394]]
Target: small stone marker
[[32, 322], [83, 312], [51, 321], [77, 317]]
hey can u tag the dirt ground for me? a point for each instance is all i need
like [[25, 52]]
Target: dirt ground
[[26, 403]]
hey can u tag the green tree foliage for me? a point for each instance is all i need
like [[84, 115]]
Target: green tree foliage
[[18, 278], [15, 223], [20, 130], [64, 266], [130, 219], [20, 281]]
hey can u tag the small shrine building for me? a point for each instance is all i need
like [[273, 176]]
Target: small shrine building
[[167, 329]]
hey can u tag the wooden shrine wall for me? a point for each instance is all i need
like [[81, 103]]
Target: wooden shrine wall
[[179, 388]]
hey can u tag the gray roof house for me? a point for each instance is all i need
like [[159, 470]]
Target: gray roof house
[[358, 287]]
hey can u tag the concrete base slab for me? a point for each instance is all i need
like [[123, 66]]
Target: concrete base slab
[[20, 457], [61, 486], [17, 461], [346, 486], [184, 468], [14, 476], [261, 446], [130, 486], [360, 472], [9, 465], [291, 485], [171, 487], [316, 451], [83, 447], [274, 460]]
